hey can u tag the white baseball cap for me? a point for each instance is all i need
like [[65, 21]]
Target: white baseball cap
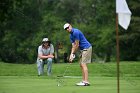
[[66, 25], [45, 40]]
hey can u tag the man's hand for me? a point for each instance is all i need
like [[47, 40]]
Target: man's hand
[[50, 56], [72, 56]]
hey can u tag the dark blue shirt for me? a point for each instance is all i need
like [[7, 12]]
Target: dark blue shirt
[[78, 35]]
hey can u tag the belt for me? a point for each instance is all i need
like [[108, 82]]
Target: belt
[[84, 50]]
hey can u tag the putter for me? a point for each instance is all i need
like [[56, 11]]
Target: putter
[[65, 70], [60, 82]]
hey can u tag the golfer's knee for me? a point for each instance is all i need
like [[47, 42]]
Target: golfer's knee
[[84, 67]]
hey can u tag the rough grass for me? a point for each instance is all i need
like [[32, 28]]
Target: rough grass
[[130, 69]]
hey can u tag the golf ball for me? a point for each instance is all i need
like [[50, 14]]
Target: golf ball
[[58, 85]]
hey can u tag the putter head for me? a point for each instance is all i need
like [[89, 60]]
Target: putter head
[[59, 75], [64, 71]]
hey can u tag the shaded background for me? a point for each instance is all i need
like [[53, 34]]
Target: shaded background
[[24, 23]]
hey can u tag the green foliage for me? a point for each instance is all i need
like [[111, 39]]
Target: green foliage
[[129, 40], [25, 23], [18, 30], [105, 43]]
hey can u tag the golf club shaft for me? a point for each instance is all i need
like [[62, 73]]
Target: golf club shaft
[[66, 69]]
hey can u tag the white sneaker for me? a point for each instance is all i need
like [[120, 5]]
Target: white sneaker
[[83, 84]]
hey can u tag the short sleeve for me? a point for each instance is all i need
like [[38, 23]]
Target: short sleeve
[[40, 50], [76, 35], [71, 39], [52, 49]]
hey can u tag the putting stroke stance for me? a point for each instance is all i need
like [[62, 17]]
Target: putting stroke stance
[[78, 40], [45, 56]]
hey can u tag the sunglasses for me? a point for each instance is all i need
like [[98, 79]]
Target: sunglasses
[[67, 28]]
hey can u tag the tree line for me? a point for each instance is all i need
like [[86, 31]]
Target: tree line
[[24, 23]]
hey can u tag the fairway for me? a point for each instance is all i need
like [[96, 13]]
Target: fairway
[[22, 78]]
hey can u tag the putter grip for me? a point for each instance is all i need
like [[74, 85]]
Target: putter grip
[[73, 56]]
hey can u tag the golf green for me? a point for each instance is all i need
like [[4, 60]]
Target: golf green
[[44, 84]]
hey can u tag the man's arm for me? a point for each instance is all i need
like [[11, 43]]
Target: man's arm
[[45, 56], [75, 46], [41, 56], [51, 55]]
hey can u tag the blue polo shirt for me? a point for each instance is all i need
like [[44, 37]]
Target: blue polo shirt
[[78, 35]]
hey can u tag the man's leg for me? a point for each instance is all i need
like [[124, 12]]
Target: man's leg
[[40, 66], [85, 58], [84, 75], [84, 72], [49, 66]]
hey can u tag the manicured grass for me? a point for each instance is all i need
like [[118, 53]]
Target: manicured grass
[[33, 84], [22, 78]]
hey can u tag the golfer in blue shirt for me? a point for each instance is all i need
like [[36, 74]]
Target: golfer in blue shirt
[[79, 41]]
